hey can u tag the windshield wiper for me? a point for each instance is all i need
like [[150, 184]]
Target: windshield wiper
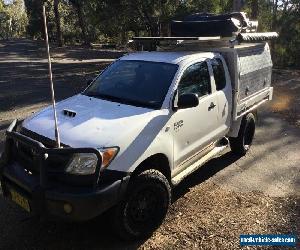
[[107, 97], [121, 100]]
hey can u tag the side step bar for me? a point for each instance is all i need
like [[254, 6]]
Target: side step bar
[[196, 165]]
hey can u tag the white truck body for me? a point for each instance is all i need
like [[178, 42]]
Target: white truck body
[[144, 124], [187, 137]]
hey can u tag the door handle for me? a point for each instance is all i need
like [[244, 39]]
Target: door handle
[[211, 106]]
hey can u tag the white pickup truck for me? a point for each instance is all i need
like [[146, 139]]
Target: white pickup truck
[[145, 123]]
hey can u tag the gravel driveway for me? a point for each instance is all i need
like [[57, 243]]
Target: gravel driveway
[[227, 197]]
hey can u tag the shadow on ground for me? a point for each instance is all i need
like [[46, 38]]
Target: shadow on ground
[[31, 233], [204, 173], [85, 53], [24, 72], [35, 50], [27, 84], [96, 234]]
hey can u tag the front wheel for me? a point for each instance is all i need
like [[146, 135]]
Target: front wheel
[[241, 144], [145, 206]]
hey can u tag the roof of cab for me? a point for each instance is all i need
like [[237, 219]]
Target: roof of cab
[[167, 57]]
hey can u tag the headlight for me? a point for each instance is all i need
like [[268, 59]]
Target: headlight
[[86, 163], [82, 164]]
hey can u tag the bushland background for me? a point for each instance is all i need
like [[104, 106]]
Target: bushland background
[[112, 22]]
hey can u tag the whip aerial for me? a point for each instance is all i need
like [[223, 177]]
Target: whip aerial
[[51, 80]]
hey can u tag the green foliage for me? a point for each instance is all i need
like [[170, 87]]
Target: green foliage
[[13, 19], [35, 17], [115, 21], [69, 24], [1, 5], [287, 48]]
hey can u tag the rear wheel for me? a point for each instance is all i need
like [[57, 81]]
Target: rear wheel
[[145, 207], [241, 144]]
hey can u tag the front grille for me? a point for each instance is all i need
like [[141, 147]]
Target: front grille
[[27, 157], [51, 171]]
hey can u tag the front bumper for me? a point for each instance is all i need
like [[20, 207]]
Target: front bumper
[[47, 197]]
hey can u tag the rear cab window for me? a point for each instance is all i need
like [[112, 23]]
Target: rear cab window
[[219, 73]]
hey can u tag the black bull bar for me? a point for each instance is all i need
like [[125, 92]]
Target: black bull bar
[[41, 153]]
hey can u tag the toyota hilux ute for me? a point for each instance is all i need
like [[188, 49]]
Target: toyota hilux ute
[[145, 123]]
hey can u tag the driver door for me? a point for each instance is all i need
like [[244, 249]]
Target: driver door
[[195, 128]]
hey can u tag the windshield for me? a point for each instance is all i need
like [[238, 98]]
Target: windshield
[[137, 83]]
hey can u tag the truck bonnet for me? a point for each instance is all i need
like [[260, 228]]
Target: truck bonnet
[[91, 122]]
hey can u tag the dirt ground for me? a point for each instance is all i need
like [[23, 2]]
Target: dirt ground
[[229, 196], [287, 95]]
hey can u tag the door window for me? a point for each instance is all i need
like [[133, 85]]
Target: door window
[[195, 80], [219, 73]]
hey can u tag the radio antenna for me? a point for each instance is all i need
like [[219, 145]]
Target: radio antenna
[[51, 80]]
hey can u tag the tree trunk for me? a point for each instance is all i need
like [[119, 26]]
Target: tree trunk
[[150, 24], [237, 5], [82, 24], [57, 22], [254, 9], [274, 21], [274, 16], [123, 36]]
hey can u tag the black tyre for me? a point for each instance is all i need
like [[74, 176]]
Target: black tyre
[[241, 144], [145, 206]]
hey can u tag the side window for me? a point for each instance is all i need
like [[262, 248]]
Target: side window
[[219, 73], [195, 80]]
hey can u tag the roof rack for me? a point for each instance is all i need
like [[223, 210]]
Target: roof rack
[[154, 43], [174, 38]]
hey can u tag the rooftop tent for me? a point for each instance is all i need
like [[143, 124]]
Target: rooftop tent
[[205, 24], [206, 30]]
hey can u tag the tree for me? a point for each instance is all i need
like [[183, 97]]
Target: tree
[[4, 19], [114, 21], [34, 10], [254, 9], [58, 24], [286, 20], [13, 19], [78, 5], [1, 6], [237, 5], [153, 13]]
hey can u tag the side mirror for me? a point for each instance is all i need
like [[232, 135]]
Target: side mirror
[[187, 101], [88, 82]]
